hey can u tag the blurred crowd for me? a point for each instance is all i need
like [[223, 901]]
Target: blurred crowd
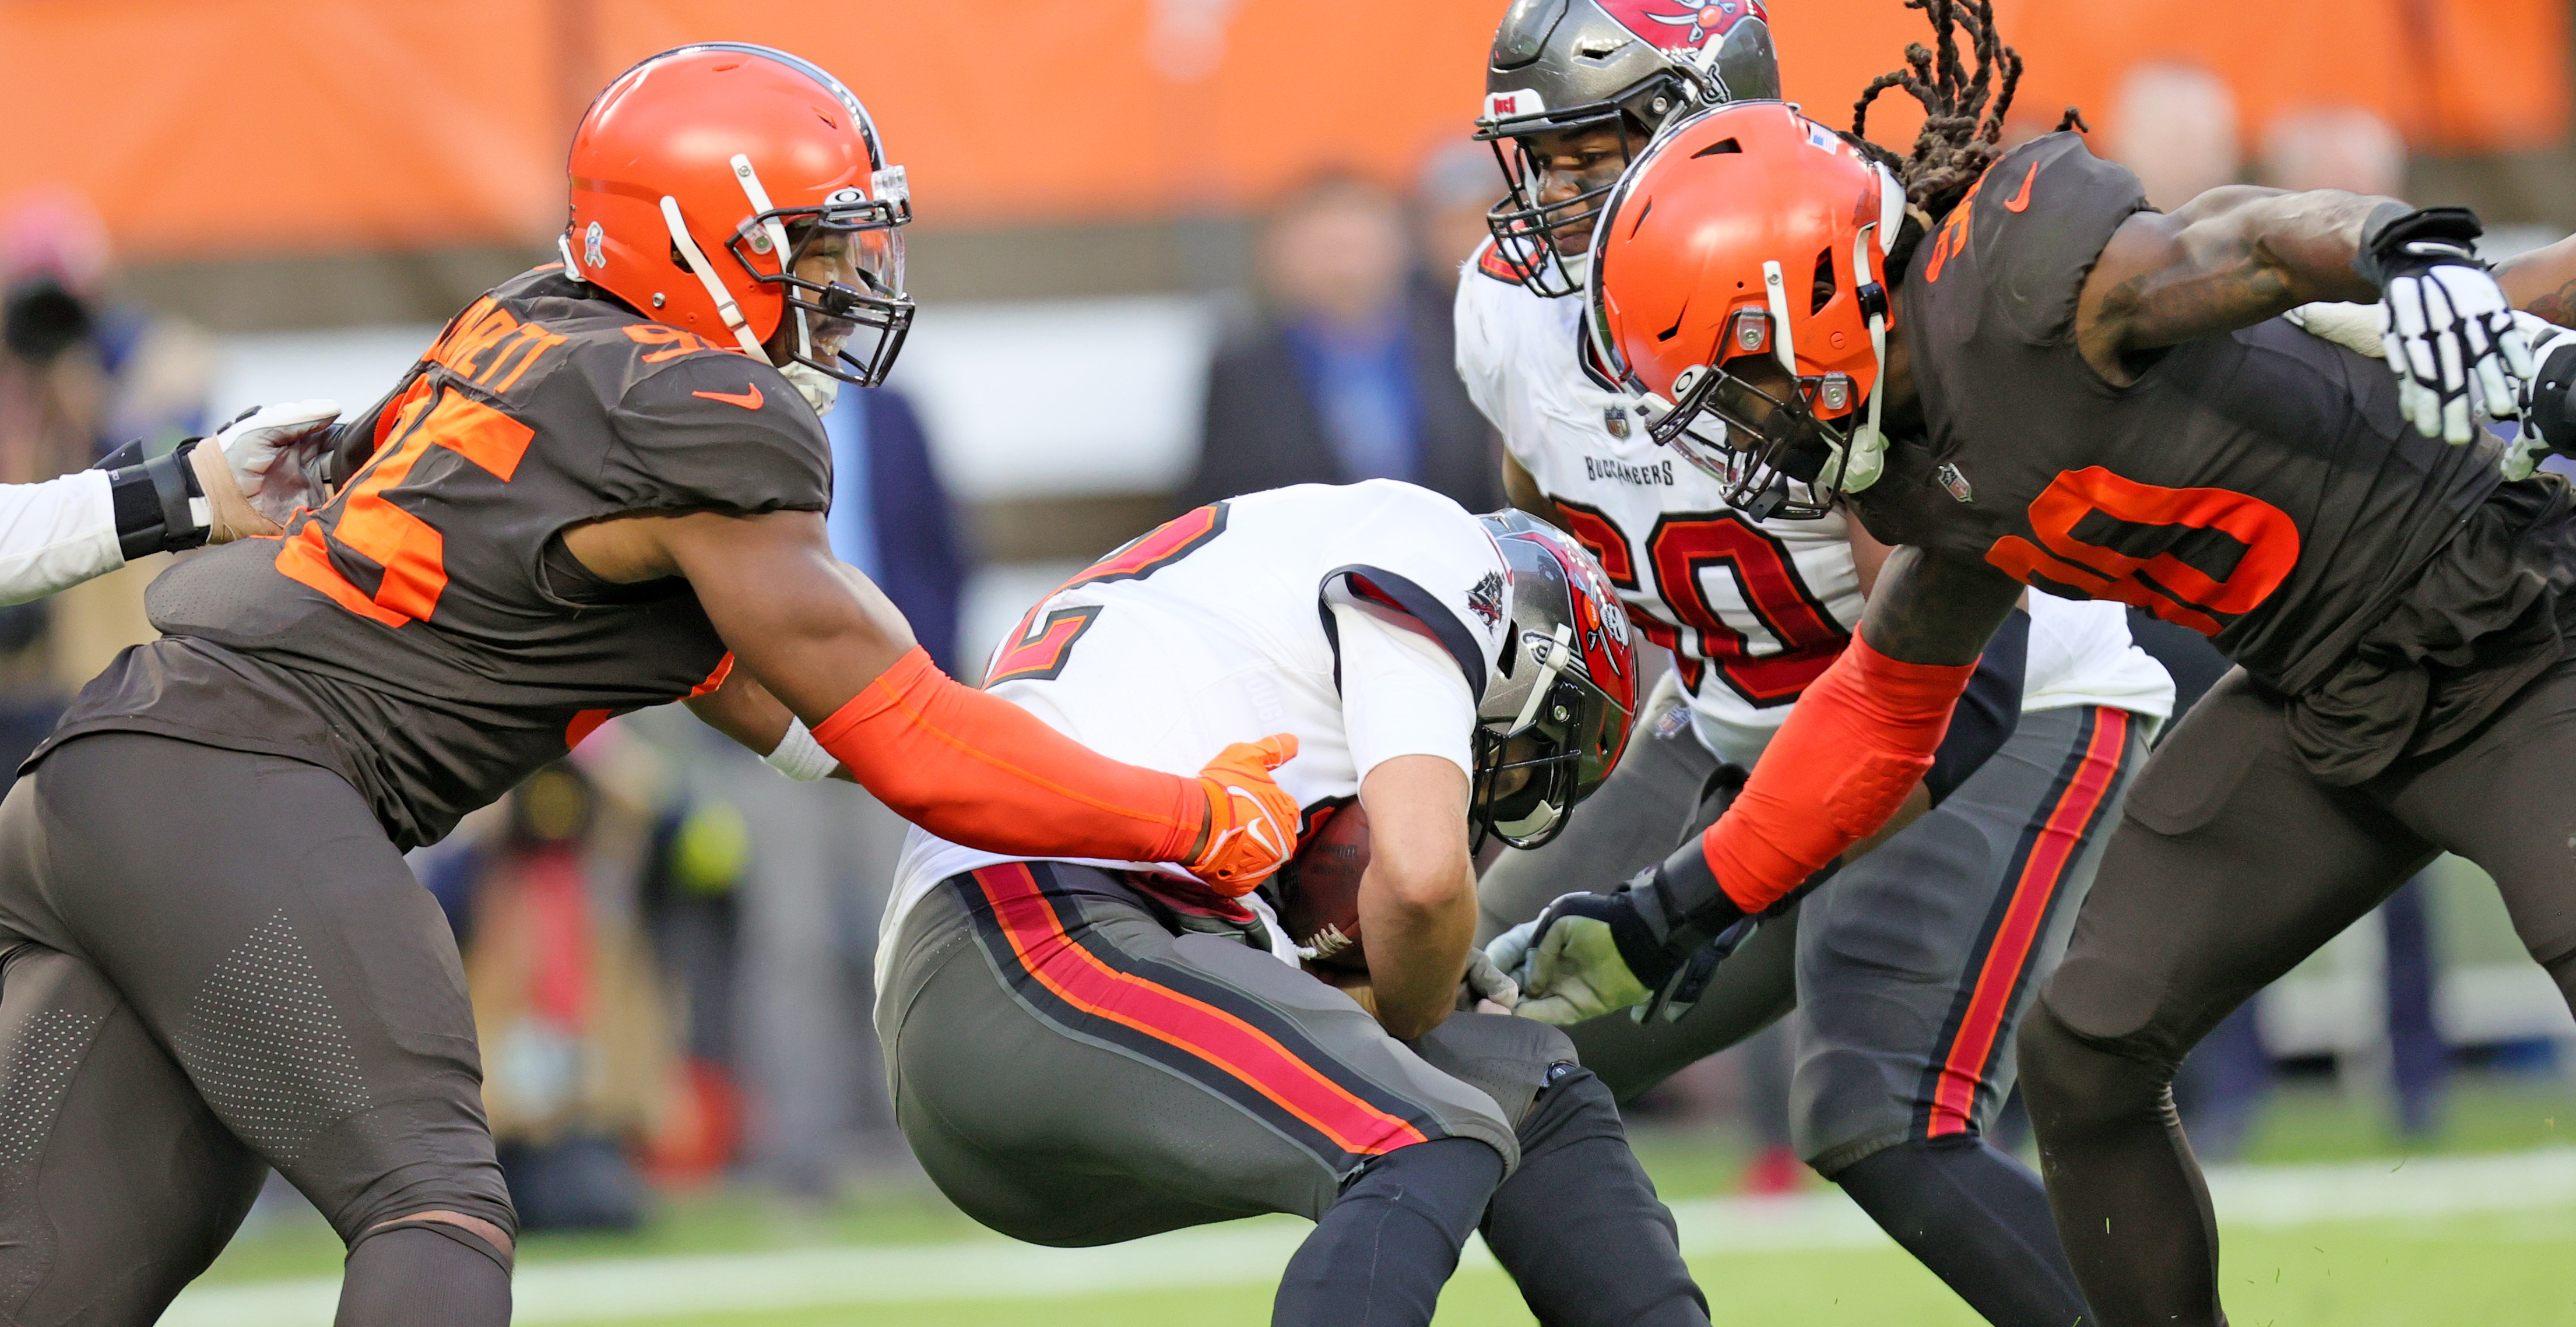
[[670, 945]]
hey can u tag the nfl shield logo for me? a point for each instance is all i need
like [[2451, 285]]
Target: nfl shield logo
[[1615, 419], [1955, 482]]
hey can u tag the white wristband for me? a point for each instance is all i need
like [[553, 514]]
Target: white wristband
[[799, 756]]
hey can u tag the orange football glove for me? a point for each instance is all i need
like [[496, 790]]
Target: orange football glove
[[1251, 821]]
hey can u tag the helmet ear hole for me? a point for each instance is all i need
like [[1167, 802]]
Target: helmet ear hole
[[1824, 286]]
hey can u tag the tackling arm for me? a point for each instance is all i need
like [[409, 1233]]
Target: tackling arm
[[2229, 258], [967, 766]]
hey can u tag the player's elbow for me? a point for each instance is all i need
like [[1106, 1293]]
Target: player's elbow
[[1420, 881]]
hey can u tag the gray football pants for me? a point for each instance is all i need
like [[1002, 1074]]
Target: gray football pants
[[213, 962], [1905, 975]]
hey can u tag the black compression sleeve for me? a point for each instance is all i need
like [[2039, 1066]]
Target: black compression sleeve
[[154, 500], [1987, 711]]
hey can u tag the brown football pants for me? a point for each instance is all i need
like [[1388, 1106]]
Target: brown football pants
[[214, 962], [2233, 863]]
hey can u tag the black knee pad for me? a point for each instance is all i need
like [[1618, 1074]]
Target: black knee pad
[[443, 1229], [2067, 1077]]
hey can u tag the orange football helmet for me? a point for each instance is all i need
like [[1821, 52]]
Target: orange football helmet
[[1693, 266], [704, 174]]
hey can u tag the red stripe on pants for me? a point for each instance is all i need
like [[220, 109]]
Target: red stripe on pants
[[2052, 852], [1222, 1040]]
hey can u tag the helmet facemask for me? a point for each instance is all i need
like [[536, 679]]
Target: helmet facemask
[[1553, 720], [1789, 454], [1526, 230], [1532, 769], [851, 324]]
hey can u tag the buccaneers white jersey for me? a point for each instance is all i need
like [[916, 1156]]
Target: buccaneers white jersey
[[1364, 619], [1753, 611]]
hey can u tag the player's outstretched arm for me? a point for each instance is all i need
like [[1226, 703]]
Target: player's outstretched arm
[[969, 767], [1418, 895], [2229, 258], [1850, 754], [2236, 256], [2543, 281]]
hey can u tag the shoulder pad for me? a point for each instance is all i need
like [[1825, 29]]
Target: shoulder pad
[[1489, 261]]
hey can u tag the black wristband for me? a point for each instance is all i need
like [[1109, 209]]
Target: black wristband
[[154, 501], [1681, 906], [2392, 226], [2553, 414]]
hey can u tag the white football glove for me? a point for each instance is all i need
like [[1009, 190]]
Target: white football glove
[[2451, 339], [273, 451]]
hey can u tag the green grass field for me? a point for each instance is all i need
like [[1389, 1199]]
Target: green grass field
[[2494, 1269]]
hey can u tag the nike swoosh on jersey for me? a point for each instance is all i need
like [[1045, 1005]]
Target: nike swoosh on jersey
[[748, 400], [2021, 201]]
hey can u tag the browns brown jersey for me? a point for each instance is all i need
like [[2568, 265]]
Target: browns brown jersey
[[426, 633], [2259, 486]]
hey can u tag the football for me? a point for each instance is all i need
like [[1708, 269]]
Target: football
[[1319, 889]]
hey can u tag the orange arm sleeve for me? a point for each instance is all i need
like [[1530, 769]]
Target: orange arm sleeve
[[978, 770], [1858, 741]]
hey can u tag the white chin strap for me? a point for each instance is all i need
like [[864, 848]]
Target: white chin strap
[[1559, 650], [1868, 450], [752, 189], [706, 272]]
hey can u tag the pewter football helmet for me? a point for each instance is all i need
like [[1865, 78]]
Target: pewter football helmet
[[1572, 64], [1567, 678]]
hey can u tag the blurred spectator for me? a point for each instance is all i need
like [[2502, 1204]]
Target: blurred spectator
[[578, 1055], [2334, 147], [1346, 372], [891, 517], [2174, 123], [1458, 186], [80, 372]]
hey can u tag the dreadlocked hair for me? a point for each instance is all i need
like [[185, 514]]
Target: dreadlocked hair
[[1963, 109]]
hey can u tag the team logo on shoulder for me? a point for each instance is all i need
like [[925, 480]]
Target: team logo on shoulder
[[590, 246], [1486, 600]]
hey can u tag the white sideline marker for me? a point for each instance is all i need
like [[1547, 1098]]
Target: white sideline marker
[[1255, 1251]]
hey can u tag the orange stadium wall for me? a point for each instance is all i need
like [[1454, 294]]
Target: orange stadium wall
[[274, 126]]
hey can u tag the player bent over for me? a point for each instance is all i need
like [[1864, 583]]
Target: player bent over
[[598, 491], [2084, 393], [1090, 1051]]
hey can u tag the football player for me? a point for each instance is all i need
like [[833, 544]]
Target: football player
[[600, 489], [2078, 392], [1902, 979], [1089, 1051]]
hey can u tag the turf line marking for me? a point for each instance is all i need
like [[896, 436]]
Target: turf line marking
[[628, 1289]]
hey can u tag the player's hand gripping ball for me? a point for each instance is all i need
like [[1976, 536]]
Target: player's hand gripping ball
[[1319, 890], [1251, 821]]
